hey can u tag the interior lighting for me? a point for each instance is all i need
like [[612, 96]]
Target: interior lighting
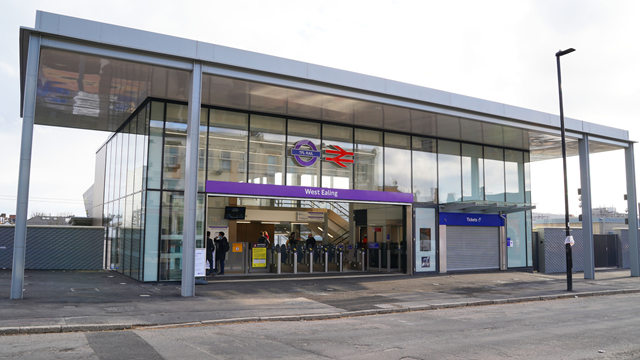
[[244, 222], [298, 223], [319, 228], [271, 222]]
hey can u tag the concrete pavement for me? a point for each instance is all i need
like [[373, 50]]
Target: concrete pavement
[[57, 301]]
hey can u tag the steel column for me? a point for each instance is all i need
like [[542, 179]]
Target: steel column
[[587, 220], [191, 183], [632, 205], [29, 109]]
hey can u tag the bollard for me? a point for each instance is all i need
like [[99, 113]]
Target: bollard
[[295, 262], [362, 263], [388, 260], [379, 260], [399, 259], [311, 262], [340, 268], [326, 261], [279, 258]]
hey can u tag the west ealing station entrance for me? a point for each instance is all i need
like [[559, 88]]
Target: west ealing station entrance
[[352, 230]]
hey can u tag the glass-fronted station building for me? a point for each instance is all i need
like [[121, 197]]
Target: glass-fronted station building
[[439, 181]]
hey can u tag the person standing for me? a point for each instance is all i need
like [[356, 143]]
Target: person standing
[[222, 246], [210, 248]]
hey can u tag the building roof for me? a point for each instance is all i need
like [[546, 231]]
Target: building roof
[[78, 55]]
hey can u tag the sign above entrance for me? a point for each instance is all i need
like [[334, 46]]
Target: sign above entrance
[[265, 190], [462, 219], [305, 153]]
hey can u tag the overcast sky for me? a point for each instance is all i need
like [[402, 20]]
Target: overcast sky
[[496, 50]]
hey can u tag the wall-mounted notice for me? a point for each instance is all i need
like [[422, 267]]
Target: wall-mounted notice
[[259, 257], [425, 239], [310, 216], [201, 261]]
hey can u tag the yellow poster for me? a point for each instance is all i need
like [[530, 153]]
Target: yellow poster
[[259, 256], [236, 247]]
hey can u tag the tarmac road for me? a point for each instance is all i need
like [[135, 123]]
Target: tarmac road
[[575, 328]]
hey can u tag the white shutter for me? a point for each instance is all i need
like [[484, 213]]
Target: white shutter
[[473, 247]]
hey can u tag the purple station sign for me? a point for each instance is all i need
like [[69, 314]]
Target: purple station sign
[[231, 188]]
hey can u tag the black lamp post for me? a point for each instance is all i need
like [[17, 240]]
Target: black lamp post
[[564, 167]]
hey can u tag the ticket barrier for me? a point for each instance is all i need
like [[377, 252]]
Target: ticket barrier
[[383, 257]]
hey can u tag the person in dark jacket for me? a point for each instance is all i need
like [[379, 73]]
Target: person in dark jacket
[[210, 248], [264, 239], [222, 246]]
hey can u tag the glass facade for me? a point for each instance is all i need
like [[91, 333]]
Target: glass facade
[[145, 176]]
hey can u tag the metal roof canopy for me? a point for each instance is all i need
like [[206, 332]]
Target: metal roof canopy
[[94, 75], [486, 207]]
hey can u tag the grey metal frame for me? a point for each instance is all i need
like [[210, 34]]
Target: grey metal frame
[[191, 185], [587, 220], [632, 205], [29, 107]]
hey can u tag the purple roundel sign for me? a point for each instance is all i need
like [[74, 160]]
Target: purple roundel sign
[[305, 156]]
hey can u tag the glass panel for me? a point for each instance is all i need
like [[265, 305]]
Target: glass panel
[[126, 253], [124, 160], [137, 226], [449, 171], [494, 173], [131, 160], [527, 177], [200, 221], [114, 161], [516, 240], [175, 146], [171, 236], [425, 227], [267, 150], [514, 175], [202, 148], [145, 147], [303, 170], [107, 175], [529, 236], [335, 138], [425, 170], [119, 233], [472, 172], [141, 130], [397, 157], [227, 155], [156, 125], [117, 164], [369, 160], [152, 236]]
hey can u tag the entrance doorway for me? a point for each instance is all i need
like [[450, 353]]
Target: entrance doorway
[[309, 235]]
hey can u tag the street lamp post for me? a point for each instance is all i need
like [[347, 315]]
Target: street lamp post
[[564, 167]]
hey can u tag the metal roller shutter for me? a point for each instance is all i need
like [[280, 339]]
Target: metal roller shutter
[[473, 247]]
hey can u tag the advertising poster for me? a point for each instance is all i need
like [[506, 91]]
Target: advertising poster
[[259, 257], [236, 247], [425, 239], [426, 261], [201, 262]]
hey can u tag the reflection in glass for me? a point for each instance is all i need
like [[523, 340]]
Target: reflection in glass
[[472, 172], [175, 146], [516, 235], [152, 236], [267, 150], [494, 173], [514, 175], [425, 170], [449, 171], [335, 138], [369, 157], [397, 160], [228, 136], [156, 127], [124, 160], [303, 170], [171, 235]]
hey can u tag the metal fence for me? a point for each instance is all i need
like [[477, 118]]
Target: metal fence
[[56, 247]]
